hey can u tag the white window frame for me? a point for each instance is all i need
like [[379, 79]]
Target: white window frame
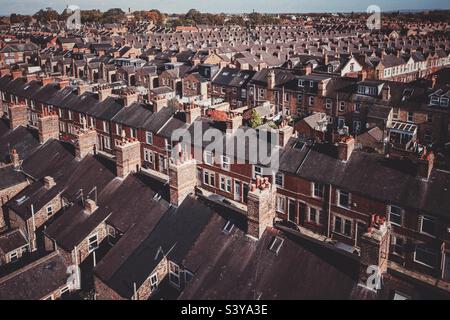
[[16, 256], [208, 158], [225, 162], [90, 247], [339, 199], [257, 171], [225, 184], [149, 137], [278, 176], [50, 212], [153, 282], [315, 221], [149, 156], [176, 274], [394, 245], [281, 204], [211, 176], [343, 223], [314, 188], [421, 225], [390, 207], [429, 251]]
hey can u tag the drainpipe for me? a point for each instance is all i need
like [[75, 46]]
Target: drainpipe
[[33, 219], [329, 212]]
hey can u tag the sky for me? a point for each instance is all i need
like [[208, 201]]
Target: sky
[[227, 6]]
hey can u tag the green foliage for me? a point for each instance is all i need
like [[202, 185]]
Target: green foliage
[[255, 119]]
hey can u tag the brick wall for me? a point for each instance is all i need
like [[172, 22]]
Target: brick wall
[[7, 194]]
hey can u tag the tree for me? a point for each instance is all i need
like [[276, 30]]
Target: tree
[[156, 16], [194, 15], [90, 16], [255, 119], [46, 15], [18, 18], [115, 15]]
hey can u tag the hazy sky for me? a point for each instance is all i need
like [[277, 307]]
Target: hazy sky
[[177, 6]]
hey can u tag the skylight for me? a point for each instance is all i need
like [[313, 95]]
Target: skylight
[[228, 227], [276, 245], [21, 200]]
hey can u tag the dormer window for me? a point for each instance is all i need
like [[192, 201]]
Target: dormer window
[[444, 102], [301, 83], [434, 100], [311, 84]]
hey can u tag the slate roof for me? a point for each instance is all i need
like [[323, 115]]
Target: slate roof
[[36, 280], [138, 252]]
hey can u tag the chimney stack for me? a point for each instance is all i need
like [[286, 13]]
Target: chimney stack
[[192, 113], [49, 182], [104, 92], [271, 80], [260, 207], [15, 159], [182, 177], [129, 97], [375, 248], [386, 93], [18, 115], [425, 164], [285, 132], [31, 77], [434, 79], [233, 123], [346, 145], [90, 206], [86, 140], [128, 157], [17, 74], [47, 80], [48, 124]]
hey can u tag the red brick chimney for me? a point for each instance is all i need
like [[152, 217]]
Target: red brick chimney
[[17, 74], [18, 115], [63, 82], [260, 207], [46, 80], [90, 206], [129, 97], [182, 177], [128, 157], [15, 159], [386, 93], [104, 92], [4, 72], [285, 132], [346, 145], [425, 164], [48, 124], [192, 113], [374, 246], [31, 77]]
